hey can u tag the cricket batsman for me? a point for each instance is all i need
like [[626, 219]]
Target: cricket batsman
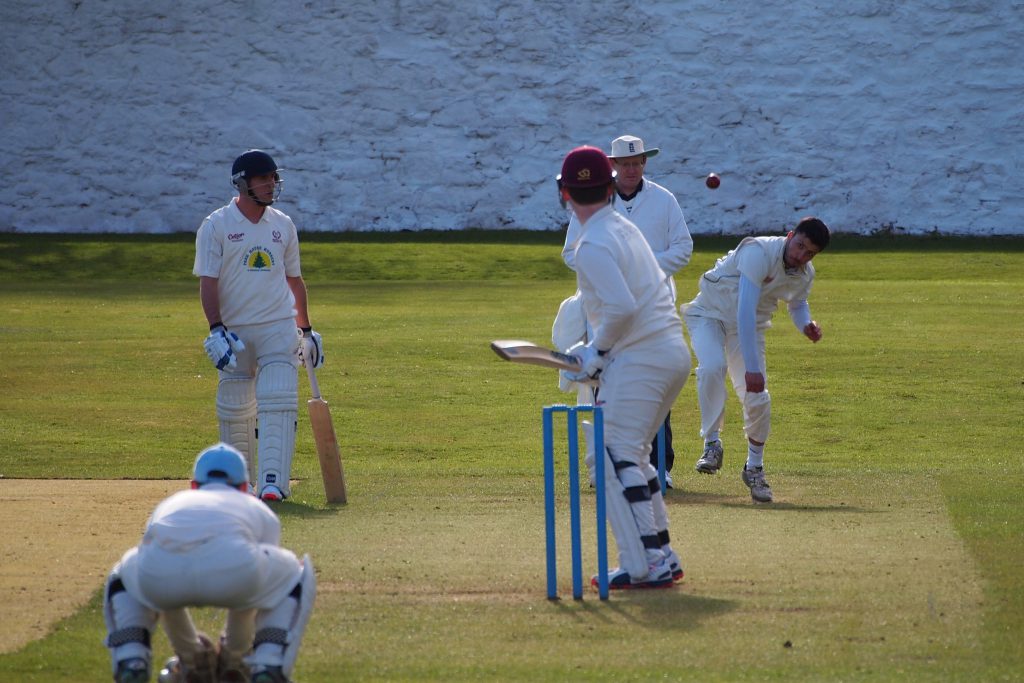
[[637, 357], [254, 298]]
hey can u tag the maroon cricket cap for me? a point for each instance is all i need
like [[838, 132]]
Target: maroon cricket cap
[[586, 167]]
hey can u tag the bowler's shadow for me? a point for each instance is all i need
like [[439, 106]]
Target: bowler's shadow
[[681, 498]]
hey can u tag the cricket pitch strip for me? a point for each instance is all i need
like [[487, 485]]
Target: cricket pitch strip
[[63, 539]]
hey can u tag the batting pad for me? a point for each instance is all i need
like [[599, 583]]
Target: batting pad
[[657, 498], [632, 553], [236, 414], [130, 624], [283, 625], [277, 395]]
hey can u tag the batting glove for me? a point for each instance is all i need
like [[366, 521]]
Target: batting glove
[[223, 347], [311, 347], [591, 363]]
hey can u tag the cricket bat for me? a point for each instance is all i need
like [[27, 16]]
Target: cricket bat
[[520, 351], [326, 442]]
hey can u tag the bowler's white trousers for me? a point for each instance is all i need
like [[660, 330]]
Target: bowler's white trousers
[[718, 352]]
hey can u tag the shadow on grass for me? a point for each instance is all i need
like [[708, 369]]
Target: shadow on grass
[[799, 507], [678, 498], [681, 497], [672, 609], [288, 509]]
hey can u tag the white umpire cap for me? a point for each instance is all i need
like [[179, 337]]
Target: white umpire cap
[[630, 146]]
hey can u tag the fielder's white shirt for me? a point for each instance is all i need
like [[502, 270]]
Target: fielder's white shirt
[[655, 211], [760, 259], [250, 262], [625, 292], [216, 515], [212, 546]]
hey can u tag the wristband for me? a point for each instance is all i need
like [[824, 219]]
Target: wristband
[[216, 325]]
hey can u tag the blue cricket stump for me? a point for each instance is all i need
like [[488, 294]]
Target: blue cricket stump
[[574, 499]]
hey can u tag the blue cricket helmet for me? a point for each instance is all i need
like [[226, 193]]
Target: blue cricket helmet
[[221, 463], [251, 164]]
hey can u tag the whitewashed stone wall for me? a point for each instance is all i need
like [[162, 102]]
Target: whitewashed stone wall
[[444, 114]]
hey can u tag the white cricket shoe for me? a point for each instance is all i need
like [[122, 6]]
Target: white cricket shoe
[[132, 670], [675, 565], [271, 494], [711, 460], [760, 491], [658, 576]]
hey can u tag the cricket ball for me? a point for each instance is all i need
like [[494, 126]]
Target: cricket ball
[[712, 181]]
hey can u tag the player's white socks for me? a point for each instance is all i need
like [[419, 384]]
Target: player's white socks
[[711, 437], [755, 456]]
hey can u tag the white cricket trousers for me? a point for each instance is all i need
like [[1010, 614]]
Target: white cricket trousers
[[240, 576], [637, 390], [237, 574], [717, 348]]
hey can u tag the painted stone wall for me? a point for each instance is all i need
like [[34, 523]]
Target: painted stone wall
[[877, 115]]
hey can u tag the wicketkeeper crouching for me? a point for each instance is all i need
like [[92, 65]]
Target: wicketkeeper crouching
[[212, 546]]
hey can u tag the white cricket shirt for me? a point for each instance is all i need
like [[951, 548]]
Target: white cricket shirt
[[625, 292], [760, 259], [655, 211], [250, 262], [216, 515]]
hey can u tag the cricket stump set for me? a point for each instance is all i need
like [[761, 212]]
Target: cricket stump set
[[576, 550], [575, 516]]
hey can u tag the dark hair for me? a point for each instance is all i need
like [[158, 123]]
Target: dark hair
[[815, 230], [589, 195]]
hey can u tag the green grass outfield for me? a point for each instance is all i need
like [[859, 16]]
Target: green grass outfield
[[895, 550]]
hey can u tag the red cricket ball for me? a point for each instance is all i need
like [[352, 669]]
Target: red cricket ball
[[712, 181]]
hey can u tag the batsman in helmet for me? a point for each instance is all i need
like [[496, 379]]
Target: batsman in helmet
[[254, 298], [637, 359]]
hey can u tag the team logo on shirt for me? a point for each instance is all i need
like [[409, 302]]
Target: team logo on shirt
[[236, 236], [277, 237], [259, 258]]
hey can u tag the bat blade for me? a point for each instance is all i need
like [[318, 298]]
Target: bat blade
[[521, 351], [327, 450]]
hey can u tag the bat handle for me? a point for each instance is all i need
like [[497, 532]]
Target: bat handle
[[313, 384]]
